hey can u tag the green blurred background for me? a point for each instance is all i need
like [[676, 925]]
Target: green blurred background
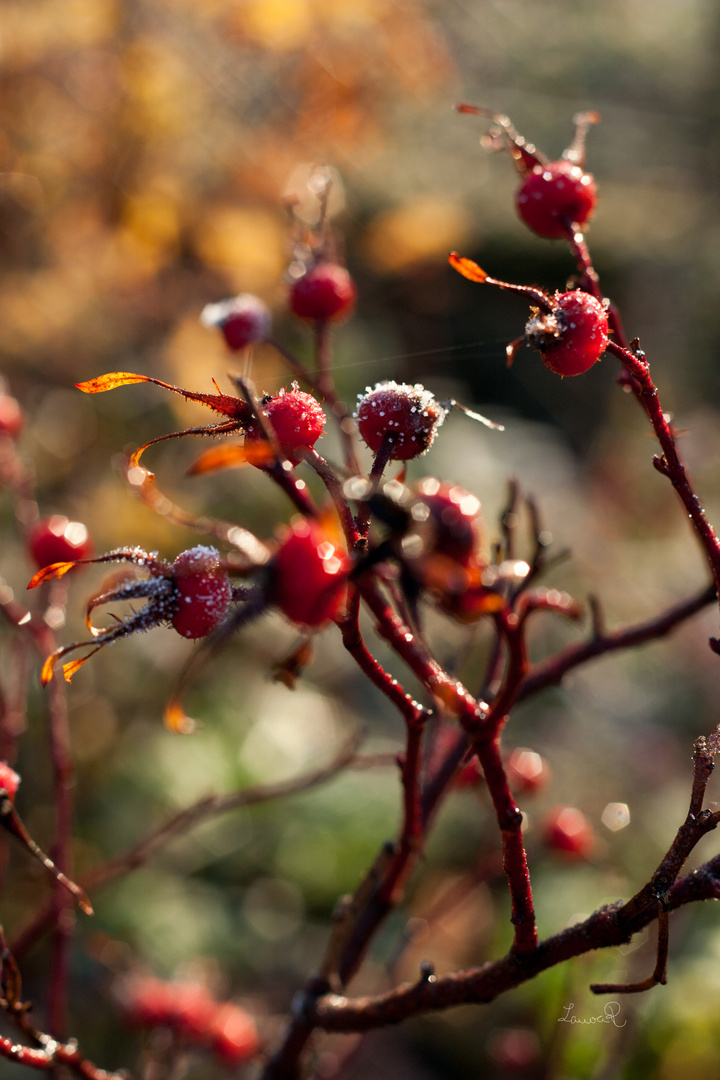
[[146, 147]]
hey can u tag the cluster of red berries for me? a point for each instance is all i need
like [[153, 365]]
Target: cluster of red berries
[[325, 292], [191, 1012]]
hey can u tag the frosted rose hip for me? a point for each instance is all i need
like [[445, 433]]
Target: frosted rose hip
[[296, 418], [555, 196], [410, 414], [573, 335], [202, 592]]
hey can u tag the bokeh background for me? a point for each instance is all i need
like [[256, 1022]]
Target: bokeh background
[[146, 147]]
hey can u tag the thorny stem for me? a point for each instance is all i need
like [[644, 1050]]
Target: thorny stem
[[669, 463], [611, 925], [642, 385], [551, 672]]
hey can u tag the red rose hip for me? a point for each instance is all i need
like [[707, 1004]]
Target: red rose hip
[[567, 831], [202, 592], [410, 414], [296, 418], [310, 574], [243, 320], [554, 197], [571, 336], [326, 293], [56, 539], [9, 781]]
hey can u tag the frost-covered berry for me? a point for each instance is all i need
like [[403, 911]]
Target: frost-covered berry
[[56, 539], [410, 414], [296, 418], [12, 419], [556, 196], [572, 335], [202, 592], [326, 292], [243, 320], [310, 574], [566, 830], [9, 781]]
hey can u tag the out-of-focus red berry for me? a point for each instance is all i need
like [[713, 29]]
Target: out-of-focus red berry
[[56, 539], [409, 413], [326, 292], [243, 320], [12, 419], [9, 781], [234, 1034], [515, 1050], [470, 776], [310, 573], [527, 771], [566, 830], [573, 335], [296, 418], [554, 197], [202, 590], [453, 515]]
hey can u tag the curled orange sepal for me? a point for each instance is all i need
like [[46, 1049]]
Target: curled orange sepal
[[74, 666], [53, 572], [216, 458], [47, 669], [70, 668], [467, 267]]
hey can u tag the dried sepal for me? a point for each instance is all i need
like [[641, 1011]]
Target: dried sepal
[[467, 267], [217, 458], [207, 429], [220, 403], [53, 572]]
